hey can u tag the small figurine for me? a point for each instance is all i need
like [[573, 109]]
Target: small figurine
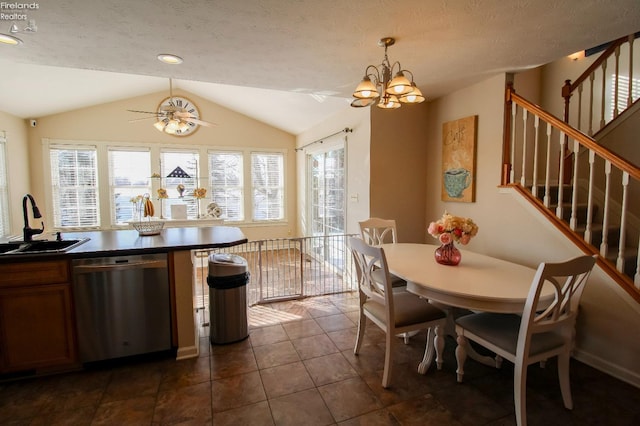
[[180, 189]]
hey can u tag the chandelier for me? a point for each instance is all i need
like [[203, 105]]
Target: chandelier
[[377, 84]]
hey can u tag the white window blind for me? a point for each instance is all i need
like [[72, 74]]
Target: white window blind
[[267, 181], [74, 178], [188, 162], [327, 192], [129, 176], [5, 226], [226, 183]]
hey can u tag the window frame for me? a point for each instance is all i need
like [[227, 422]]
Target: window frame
[[104, 187]]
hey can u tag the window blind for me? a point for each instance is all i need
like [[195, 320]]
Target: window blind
[[74, 178], [267, 182], [129, 176], [226, 183]]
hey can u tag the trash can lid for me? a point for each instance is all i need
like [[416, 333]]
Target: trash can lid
[[224, 264]]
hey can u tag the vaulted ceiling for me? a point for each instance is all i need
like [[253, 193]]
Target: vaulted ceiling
[[287, 63]]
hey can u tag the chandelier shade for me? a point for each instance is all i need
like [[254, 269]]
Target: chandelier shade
[[378, 86]]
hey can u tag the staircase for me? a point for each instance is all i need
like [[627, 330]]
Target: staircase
[[586, 190]]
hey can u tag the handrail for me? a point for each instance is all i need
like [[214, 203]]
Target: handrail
[[593, 104], [589, 211], [594, 66], [583, 139]]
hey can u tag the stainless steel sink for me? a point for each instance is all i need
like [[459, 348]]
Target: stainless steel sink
[[39, 246]]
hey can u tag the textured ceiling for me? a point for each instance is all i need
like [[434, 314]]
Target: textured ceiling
[[300, 47]]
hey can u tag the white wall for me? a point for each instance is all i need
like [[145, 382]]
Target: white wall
[[17, 167], [358, 160]]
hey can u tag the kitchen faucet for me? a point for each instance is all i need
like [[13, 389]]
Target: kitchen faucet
[[28, 232]]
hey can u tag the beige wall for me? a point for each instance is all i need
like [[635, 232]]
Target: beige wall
[[399, 168], [110, 122], [17, 167], [608, 331]]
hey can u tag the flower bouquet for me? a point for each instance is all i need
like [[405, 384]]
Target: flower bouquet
[[450, 229]]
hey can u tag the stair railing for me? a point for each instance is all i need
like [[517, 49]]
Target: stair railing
[[624, 90], [534, 145]]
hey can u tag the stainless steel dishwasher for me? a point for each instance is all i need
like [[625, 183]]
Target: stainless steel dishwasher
[[122, 306]]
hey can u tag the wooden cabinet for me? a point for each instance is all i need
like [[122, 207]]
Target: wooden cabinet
[[36, 316]]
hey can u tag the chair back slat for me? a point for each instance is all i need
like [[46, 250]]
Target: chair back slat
[[369, 259], [542, 315], [376, 231]]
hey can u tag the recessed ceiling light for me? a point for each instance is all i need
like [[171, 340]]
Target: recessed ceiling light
[[168, 58], [9, 39]]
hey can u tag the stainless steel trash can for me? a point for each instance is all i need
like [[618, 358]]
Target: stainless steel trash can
[[228, 278]]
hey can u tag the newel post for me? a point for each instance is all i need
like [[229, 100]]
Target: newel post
[[566, 94], [506, 135]]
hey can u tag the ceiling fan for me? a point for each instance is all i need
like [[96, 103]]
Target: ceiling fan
[[176, 115]]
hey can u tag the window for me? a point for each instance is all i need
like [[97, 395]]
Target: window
[[129, 176], [226, 183], [180, 189], [327, 187], [267, 181], [5, 226], [74, 178]]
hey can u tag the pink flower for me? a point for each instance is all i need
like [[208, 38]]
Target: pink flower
[[433, 228], [445, 238], [464, 240]]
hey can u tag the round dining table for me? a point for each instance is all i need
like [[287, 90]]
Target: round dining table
[[478, 283]]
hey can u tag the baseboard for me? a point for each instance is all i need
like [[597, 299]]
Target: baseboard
[[607, 367], [188, 352]]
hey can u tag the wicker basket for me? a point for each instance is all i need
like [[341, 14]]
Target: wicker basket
[[148, 227]]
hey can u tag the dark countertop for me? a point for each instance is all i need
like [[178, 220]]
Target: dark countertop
[[127, 242]]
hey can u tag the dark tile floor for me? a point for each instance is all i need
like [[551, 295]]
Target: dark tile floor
[[298, 368]]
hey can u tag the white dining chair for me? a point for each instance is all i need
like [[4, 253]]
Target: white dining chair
[[545, 329], [375, 232], [394, 312]]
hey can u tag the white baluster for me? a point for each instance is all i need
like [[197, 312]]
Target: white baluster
[[623, 223], [636, 279], [573, 222], [587, 231], [603, 94], [534, 187], [591, 79], [630, 98], [547, 178], [580, 107], [560, 177], [514, 112], [616, 84], [525, 115], [604, 246]]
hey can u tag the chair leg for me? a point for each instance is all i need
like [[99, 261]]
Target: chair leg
[[388, 359], [461, 356], [427, 359], [362, 321], [563, 376], [520, 393]]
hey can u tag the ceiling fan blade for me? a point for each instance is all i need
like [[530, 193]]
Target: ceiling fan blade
[[143, 112], [141, 119], [200, 122]]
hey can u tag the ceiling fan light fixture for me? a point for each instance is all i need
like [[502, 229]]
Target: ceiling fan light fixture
[[172, 126], [9, 39], [169, 58], [160, 125], [378, 83]]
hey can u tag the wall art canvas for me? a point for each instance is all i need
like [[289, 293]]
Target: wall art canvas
[[459, 159]]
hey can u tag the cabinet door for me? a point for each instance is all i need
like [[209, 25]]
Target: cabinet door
[[36, 327]]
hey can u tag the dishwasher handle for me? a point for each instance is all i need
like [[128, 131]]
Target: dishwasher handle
[[119, 266]]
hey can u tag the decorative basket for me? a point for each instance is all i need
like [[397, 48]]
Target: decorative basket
[[148, 228]]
